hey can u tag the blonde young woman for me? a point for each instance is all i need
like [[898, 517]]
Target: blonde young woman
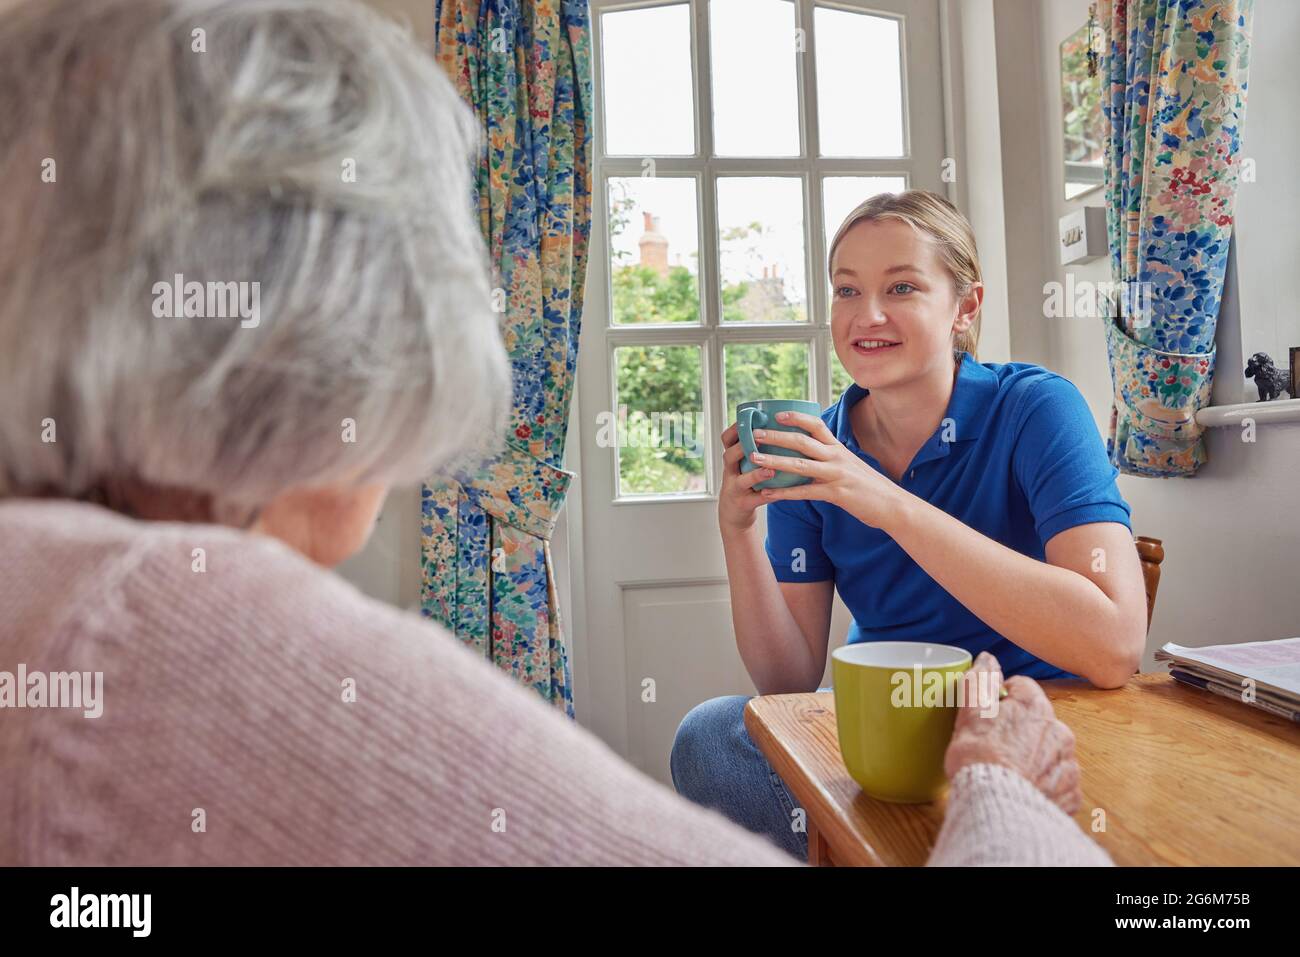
[[952, 501]]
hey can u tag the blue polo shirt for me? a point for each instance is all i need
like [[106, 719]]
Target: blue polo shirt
[[1018, 457]]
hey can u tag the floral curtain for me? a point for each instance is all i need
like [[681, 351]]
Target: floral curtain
[[524, 66], [1174, 97]]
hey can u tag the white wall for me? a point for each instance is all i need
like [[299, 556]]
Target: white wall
[[1268, 242], [418, 14], [1231, 533], [976, 144]]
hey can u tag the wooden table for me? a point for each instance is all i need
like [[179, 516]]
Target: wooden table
[[1184, 777]]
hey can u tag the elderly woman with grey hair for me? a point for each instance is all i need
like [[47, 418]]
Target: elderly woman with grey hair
[[241, 294]]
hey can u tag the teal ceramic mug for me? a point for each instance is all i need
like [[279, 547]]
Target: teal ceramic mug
[[761, 414]]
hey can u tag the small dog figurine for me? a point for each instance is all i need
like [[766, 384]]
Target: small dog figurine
[[1269, 379]]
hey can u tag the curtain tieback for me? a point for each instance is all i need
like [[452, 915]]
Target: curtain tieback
[[520, 490], [1157, 396]]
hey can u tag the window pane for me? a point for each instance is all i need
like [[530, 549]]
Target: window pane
[[761, 249], [764, 370], [653, 249], [658, 427], [859, 84], [755, 92], [841, 195], [647, 72]]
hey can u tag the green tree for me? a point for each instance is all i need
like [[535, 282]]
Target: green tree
[[668, 378], [641, 295]]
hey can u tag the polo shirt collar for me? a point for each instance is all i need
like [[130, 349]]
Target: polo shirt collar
[[968, 407]]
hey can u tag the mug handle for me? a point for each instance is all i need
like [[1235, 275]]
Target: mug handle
[[747, 420]]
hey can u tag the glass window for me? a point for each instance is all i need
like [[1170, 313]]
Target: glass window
[[647, 82], [761, 249], [859, 84], [755, 90], [654, 249], [764, 370], [658, 424]]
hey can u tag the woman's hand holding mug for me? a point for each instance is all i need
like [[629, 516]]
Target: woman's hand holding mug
[[737, 500], [838, 476]]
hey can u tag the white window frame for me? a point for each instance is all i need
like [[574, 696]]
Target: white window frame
[[711, 335]]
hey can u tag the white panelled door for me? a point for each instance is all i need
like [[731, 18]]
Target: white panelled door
[[733, 136]]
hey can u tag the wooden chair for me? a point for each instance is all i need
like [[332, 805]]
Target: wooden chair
[[1151, 552]]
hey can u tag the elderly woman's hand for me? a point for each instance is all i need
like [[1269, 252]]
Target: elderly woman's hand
[[1020, 732]]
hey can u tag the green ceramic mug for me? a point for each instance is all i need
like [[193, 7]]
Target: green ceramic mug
[[761, 414], [895, 705]]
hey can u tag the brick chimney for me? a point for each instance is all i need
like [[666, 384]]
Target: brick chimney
[[653, 246]]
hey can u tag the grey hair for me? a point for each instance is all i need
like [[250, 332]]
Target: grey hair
[[230, 164]]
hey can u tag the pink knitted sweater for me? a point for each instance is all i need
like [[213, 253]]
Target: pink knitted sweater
[[263, 711]]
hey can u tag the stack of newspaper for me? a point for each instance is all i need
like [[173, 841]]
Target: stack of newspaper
[[1265, 674]]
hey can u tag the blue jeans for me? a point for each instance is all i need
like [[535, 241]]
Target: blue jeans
[[715, 763]]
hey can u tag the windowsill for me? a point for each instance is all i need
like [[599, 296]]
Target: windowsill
[[1279, 410], [661, 498]]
